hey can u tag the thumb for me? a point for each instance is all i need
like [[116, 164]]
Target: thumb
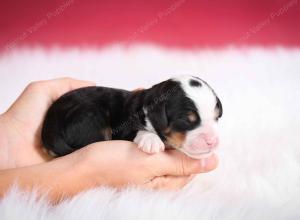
[[173, 162]]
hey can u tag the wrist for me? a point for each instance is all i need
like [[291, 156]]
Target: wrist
[[60, 178], [57, 179], [73, 174]]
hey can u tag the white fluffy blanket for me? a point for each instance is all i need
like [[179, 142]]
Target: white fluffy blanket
[[259, 172]]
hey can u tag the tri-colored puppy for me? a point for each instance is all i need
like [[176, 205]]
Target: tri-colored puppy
[[179, 113]]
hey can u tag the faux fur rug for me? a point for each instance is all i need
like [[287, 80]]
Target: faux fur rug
[[259, 172]]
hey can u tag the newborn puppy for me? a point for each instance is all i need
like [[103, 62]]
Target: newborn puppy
[[179, 113]]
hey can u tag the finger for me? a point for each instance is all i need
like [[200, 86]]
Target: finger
[[168, 182], [173, 162], [45, 92], [60, 86]]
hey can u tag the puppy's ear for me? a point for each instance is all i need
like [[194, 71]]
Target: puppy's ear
[[158, 117], [157, 100]]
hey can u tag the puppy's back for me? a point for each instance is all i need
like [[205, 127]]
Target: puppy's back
[[81, 117]]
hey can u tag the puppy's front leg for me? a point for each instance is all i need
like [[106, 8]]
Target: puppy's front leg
[[149, 142]]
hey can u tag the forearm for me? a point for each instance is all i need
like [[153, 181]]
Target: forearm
[[59, 178]]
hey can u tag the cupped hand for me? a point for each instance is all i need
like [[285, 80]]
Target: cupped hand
[[20, 125], [121, 163]]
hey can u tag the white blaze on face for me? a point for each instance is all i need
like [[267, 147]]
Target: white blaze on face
[[203, 139]]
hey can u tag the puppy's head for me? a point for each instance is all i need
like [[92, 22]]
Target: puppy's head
[[185, 115]]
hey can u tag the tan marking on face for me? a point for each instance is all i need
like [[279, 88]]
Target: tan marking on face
[[192, 116], [175, 138]]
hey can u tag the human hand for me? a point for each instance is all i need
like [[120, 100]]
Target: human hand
[[121, 163], [20, 126], [110, 163]]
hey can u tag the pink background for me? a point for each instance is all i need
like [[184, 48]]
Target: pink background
[[181, 23]]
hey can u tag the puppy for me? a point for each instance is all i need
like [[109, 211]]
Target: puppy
[[180, 113]]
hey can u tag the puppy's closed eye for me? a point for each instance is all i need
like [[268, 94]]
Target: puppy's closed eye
[[186, 121]]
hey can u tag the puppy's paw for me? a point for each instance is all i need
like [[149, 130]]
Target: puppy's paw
[[149, 142]]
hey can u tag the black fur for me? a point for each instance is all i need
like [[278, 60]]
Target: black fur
[[195, 83]]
